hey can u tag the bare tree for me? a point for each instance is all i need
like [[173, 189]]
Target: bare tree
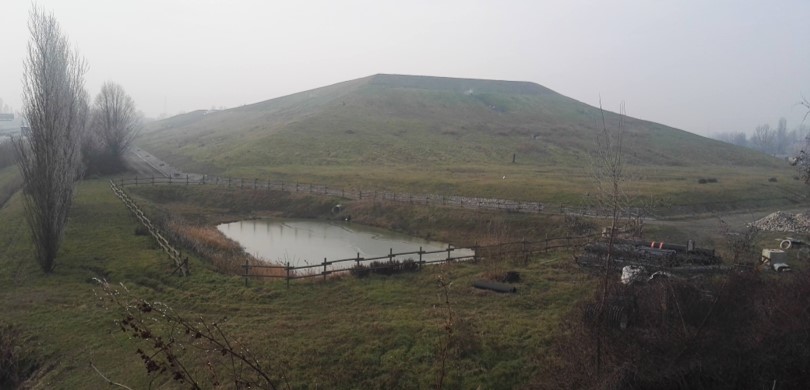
[[802, 158], [763, 138], [55, 105], [115, 124], [782, 138], [609, 176]]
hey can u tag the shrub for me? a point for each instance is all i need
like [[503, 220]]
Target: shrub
[[387, 268], [141, 230], [18, 361], [772, 180], [741, 330], [359, 271]]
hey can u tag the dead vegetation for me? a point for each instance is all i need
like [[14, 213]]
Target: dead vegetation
[[226, 255], [743, 330]]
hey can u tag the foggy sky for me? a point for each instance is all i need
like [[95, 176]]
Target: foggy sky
[[702, 66]]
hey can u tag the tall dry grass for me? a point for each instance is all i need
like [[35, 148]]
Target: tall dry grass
[[226, 255]]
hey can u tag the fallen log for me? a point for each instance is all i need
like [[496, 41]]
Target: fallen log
[[494, 286]]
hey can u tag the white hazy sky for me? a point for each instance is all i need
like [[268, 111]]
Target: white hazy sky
[[702, 66]]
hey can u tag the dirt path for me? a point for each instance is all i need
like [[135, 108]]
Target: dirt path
[[710, 229]]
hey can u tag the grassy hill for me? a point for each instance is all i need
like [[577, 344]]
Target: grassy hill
[[432, 134]]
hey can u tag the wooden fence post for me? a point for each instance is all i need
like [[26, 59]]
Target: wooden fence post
[[449, 248], [185, 270], [475, 252], [358, 261], [420, 258], [390, 255], [525, 252], [186, 179], [324, 268], [247, 271], [288, 274]]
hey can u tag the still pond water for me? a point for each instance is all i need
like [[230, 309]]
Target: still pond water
[[304, 242]]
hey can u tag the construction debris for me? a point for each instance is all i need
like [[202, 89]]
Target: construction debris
[[784, 222]]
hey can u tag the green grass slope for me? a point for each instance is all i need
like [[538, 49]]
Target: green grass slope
[[379, 332], [436, 134]]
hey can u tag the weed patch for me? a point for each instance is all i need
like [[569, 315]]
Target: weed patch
[[18, 359]]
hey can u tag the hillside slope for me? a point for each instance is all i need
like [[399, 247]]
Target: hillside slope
[[443, 133]]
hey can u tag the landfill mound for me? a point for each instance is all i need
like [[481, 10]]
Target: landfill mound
[[783, 222]]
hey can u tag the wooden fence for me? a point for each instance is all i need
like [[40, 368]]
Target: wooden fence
[[518, 250], [180, 263], [401, 197], [521, 250], [320, 189]]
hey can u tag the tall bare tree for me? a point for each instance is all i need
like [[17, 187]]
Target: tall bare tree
[[55, 105], [609, 177], [115, 124], [763, 138]]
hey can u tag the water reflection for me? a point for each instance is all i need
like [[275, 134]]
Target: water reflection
[[279, 241]]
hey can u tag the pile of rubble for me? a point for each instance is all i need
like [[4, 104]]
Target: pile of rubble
[[783, 222]]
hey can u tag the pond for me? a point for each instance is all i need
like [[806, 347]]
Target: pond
[[307, 242]]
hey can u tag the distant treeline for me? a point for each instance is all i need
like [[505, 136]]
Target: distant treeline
[[775, 141]]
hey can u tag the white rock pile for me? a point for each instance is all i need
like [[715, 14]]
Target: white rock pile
[[783, 222]]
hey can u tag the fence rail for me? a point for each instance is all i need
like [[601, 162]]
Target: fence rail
[[521, 250], [180, 263], [400, 197], [320, 189], [518, 249]]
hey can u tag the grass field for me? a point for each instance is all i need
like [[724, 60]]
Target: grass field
[[343, 333], [397, 133]]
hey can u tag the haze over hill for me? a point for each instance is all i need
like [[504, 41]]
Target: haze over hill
[[433, 128]]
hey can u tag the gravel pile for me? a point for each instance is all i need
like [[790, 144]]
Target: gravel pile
[[784, 222]]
